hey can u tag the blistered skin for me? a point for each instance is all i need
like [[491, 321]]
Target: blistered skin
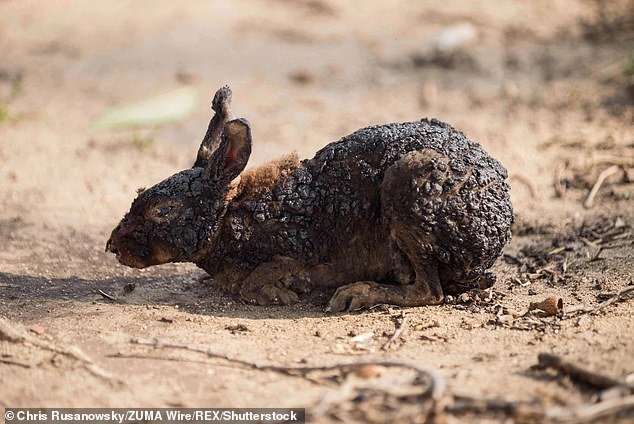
[[400, 213], [329, 209]]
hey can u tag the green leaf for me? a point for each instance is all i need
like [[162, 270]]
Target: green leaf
[[169, 107]]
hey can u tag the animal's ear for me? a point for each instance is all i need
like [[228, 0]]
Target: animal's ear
[[213, 137], [231, 157]]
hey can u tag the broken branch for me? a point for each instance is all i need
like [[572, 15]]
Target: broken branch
[[437, 383], [12, 335], [10, 362], [401, 325], [591, 413], [576, 372], [588, 309], [106, 295], [605, 174]]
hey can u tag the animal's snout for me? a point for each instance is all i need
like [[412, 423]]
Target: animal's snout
[[110, 246], [119, 232], [131, 252], [124, 228]]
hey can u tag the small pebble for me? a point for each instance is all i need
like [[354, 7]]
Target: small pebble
[[464, 297], [369, 371]]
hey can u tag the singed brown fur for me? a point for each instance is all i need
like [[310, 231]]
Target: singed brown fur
[[264, 178]]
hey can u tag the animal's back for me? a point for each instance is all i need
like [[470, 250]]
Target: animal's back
[[463, 208]]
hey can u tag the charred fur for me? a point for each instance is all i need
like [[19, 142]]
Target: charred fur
[[407, 211]]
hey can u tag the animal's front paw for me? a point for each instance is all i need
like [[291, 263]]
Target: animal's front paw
[[270, 295], [359, 295]]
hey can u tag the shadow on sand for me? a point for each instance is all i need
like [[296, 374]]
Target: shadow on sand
[[193, 292]]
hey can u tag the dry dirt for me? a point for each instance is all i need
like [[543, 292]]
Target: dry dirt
[[546, 87]]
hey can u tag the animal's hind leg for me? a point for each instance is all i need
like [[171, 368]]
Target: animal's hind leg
[[408, 189], [425, 290]]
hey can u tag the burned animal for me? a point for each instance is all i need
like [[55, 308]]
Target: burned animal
[[401, 214]]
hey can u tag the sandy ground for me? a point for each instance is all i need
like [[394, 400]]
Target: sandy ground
[[545, 86]]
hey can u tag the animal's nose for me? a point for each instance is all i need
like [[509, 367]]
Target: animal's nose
[[110, 247], [119, 231]]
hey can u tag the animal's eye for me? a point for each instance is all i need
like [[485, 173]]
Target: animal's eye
[[164, 211]]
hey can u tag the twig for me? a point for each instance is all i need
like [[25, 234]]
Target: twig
[[401, 325], [587, 309], [591, 413], [10, 362], [466, 404], [436, 389], [576, 372], [10, 334], [437, 385], [589, 202], [560, 189], [333, 398], [121, 355], [435, 392], [106, 295]]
